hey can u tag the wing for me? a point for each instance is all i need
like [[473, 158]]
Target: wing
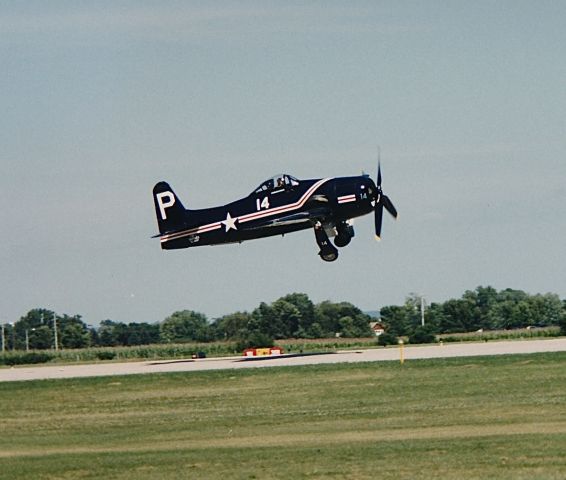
[[310, 216]]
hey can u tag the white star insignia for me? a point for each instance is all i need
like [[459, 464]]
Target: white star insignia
[[230, 223]]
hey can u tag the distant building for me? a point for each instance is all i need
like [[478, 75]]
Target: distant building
[[377, 328]]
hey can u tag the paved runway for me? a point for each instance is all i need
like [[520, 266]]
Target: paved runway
[[373, 355]]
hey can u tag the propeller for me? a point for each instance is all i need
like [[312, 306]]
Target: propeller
[[381, 201]]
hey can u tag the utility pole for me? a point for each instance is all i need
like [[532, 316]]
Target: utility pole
[[55, 331], [422, 310], [27, 338], [3, 340]]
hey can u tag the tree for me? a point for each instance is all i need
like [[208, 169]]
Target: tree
[[402, 320], [36, 330], [41, 338], [278, 320], [387, 339], [347, 328], [510, 311], [286, 318], [457, 316], [422, 335], [342, 318], [107, 334], [73, 332], [185, 326], [486, 298], [111, 334], [327, 316], [254, 339], [142, 334], [562, 321], [39, 326], [395, 320], [231, 326], [434, 317], [263, 321], [315, 331], [306, 309], [545, 309]]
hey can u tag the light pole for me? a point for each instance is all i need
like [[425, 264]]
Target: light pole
[[27, 338], [55, 332]]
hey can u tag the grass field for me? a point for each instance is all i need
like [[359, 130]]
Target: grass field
[[497, 418]]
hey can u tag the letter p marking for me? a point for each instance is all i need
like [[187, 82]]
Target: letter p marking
[[165, 200]]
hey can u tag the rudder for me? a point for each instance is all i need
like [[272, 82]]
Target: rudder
[[170, 213]]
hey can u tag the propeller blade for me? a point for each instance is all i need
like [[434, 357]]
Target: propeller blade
[[381, 201], [378, 220], [389, 206]]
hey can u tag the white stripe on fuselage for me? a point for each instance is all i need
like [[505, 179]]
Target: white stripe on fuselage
[[347, 198], [248, 217]]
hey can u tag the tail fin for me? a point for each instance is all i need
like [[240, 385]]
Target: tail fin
[[171, 215]]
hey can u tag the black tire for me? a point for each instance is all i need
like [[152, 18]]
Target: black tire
[[330, 257]]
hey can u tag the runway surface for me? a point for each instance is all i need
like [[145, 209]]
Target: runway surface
[[372, 355]]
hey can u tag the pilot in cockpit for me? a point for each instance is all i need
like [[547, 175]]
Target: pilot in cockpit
[[280, 183]]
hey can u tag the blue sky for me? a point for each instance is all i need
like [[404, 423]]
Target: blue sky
[[101, 100]]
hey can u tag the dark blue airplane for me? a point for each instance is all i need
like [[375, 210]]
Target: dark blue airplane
[[280, 205]]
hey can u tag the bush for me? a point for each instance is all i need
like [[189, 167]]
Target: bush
[[387, 339], [27, 358], [422, 335], [105, 355]]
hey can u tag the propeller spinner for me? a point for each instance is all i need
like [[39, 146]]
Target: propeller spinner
[[381, 201]]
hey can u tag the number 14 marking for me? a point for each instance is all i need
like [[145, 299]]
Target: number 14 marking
[[264, 203]]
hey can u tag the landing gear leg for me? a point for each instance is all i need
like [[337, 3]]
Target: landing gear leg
[[328, 252]]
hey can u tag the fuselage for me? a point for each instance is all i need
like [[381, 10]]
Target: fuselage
[[274, 209]]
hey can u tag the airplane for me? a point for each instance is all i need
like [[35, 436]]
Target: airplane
[[280, 205]]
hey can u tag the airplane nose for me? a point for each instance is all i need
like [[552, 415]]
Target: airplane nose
[[370, 186]]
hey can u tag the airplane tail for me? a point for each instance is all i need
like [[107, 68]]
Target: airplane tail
[[171, 215]]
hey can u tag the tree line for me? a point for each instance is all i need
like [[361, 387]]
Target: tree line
[[296, 316], [291, 316], [484, 308]]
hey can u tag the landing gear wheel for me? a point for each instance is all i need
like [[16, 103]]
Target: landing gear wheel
[[345, 232], [342, 240], [328, 252], [330, 257]]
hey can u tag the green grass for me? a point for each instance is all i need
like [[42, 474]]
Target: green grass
[[499, 417]]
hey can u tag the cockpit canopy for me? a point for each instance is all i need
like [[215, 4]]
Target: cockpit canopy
[[277, 182]]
